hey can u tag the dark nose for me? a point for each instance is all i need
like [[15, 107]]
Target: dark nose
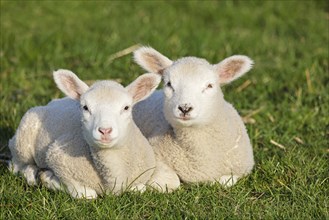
[[185, 108], [105, 130]]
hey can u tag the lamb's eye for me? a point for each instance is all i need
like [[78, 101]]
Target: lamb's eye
[[126, 108], [169, 84], [209, 86], [85, 108]]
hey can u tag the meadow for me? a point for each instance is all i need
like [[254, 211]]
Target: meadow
[[284, 99]]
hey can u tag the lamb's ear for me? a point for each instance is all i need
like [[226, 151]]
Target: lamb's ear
[[70, 84], [232, 68], [151, 60], [143, 86]]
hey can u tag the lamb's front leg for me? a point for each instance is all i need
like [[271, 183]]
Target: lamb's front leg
[[164, 178], [76, 190], [29, 171], [22, 161], [70, 168]]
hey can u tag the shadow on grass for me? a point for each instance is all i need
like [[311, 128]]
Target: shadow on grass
[[5, 134]]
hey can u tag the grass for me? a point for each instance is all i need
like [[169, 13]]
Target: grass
[[285, 96]]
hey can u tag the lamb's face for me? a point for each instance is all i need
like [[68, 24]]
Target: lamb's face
[[106, 114], [106, 106], [192, 92]]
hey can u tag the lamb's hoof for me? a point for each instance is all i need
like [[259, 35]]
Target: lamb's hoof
[[81, 192], [48, 179], [13, 167], [165, 188], [30, 173], [228, 180], [138, 188]]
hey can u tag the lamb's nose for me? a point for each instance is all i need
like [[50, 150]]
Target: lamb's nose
[[104, 131], [185, 108]]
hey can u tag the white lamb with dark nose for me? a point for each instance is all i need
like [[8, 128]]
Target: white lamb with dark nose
[[195, 133], [87, 142]]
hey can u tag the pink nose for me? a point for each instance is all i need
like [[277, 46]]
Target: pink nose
[[104, 131]]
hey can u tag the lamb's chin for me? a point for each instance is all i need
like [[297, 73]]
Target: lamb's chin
[[184, 122], [101, 144]]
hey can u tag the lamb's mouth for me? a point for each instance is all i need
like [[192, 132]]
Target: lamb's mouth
[[184, 118], [103, 142]]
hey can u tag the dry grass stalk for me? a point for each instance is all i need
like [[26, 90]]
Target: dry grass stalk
[[248, 119], [123, 52], [277, 144], [298, 140], [254, 112], [308, 80], [270, 117], [244, 85]]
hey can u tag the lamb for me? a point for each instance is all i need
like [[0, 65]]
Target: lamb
[[195, 133], [86, 142]]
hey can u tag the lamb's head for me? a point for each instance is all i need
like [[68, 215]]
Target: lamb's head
[[106, 105], [192, 85]]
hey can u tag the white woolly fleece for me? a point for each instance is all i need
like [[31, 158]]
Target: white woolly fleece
[[195, 133], [66, 138]]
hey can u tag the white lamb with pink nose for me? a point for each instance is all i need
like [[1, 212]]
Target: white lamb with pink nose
[[87, 142], [197, 136]]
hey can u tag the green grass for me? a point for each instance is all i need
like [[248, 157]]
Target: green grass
[[289, 84]]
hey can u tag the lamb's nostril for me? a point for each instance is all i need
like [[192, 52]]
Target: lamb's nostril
[[181, 109], [105, 130], [189, 109], [185, 109]]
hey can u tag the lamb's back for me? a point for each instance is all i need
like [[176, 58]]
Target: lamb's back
[[60, 117]]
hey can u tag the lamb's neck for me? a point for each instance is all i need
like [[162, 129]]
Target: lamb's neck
[[191, 135], [110, 161]]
